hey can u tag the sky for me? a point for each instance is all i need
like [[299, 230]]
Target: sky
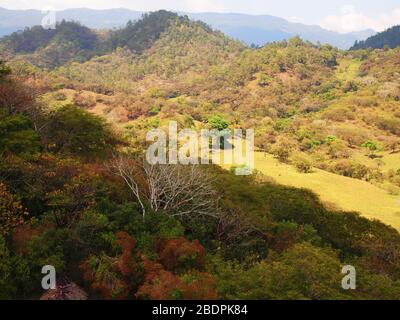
[[337, 15]]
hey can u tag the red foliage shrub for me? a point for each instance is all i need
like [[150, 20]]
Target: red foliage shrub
[[102, 275], [161, 284], [166, 286], [126, 263], [24, 233], [114, 278], [152, 269], [180, 254]]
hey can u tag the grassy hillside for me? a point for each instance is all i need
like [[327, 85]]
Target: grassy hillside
[[342, 192], [337, 110]]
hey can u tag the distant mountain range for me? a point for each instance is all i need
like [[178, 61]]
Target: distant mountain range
[[250, 29]]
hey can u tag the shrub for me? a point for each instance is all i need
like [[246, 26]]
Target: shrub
[[302, 163], [352, 169], [15, 274], [350, 86], [84, 101], [160, 284], [390, 124], [338, 149], [114, 277], [168, 286], [283, 149], [12, 213], [180, 254], [372, 147], [60, 96], [17, 136]]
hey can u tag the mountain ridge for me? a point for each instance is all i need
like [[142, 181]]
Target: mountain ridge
[[250, 29], [73, 42], [390, 37]]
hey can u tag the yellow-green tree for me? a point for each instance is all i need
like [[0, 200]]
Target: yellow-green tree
[[12, 213]]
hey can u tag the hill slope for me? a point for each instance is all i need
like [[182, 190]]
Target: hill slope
[[70, 41], [53, 47], [310, 106], [389, 38]]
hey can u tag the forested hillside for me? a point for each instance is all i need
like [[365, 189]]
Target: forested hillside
[[70, 41], [76, 193], [389, 38]]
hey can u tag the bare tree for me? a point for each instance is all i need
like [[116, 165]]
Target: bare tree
[[129, 170], [18, 97], [180, 190]]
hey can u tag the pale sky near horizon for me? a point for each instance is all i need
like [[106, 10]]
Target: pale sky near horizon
[[338, 15]]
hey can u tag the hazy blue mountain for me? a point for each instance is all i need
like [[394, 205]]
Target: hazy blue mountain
[[100, 19], [14, 20], [264, 28], [250, 29]]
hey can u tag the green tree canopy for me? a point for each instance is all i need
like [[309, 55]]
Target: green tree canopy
[[72, 130], [219, 123]]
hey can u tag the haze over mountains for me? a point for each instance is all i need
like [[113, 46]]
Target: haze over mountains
[[250, 29]]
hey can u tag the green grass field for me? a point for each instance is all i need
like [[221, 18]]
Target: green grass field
[[343, 193], [348, 69], [388, 161]]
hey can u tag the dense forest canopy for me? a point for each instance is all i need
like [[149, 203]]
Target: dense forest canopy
[[75, 192], [389, 38]]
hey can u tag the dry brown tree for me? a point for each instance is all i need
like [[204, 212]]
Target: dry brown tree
[[180, 190]]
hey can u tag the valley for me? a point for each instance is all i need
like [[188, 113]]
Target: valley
[[76, 191]]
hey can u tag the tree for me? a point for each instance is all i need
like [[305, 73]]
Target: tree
[[4, 70], [71, 130], [182, 191], [283, 149], [17, 98], [180, 254], [115, 277], [12, 213], [302, 272], [222, 126], [219, 123], [372, 147], [302, 163], [161, 284], [7, 283], [17, 136], [69, 203]]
